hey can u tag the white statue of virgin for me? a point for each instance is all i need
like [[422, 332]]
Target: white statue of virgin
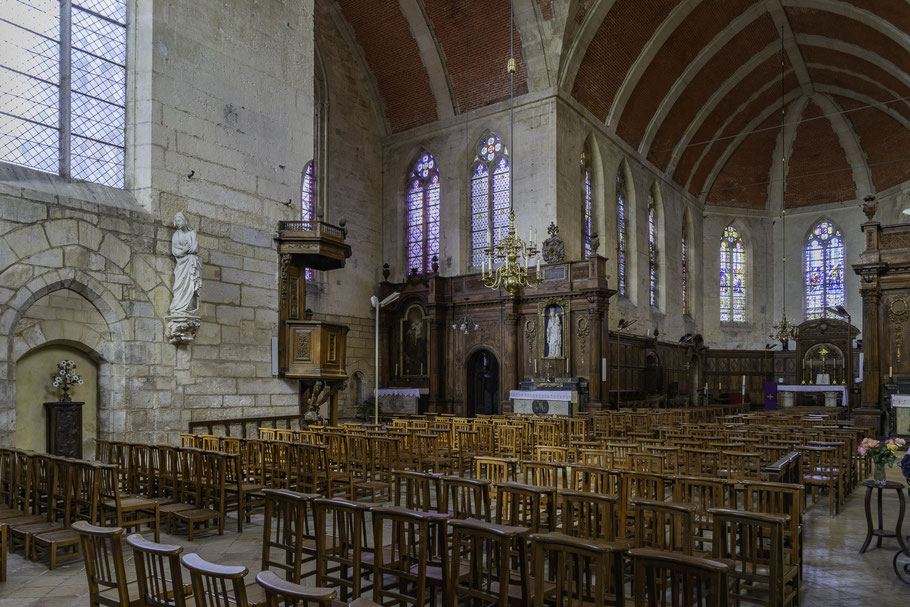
[[188, 271], [554, 334]]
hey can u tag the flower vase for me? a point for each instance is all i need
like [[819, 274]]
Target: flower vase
[[879, 474]]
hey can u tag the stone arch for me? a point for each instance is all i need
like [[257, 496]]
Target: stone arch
[[593, 160]]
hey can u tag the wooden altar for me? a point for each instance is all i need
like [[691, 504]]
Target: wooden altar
[[885, 289], [824, 353], [468, 345]]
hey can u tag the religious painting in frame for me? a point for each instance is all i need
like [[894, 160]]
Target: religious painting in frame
[[413, 343], [553, 340]]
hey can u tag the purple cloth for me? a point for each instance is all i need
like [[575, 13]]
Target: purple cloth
[[770, 395]]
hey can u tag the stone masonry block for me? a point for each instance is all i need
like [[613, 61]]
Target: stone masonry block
[[27, 241]]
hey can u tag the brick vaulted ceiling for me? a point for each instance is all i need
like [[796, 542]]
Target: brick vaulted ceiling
[[693, 85]]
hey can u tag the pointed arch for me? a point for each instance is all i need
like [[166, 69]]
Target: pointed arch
[[489, 194], [307, 203], [686, 262], [592, 207], [422, 199], [625, 229], [733, 272], [655, 275], [823, 263]]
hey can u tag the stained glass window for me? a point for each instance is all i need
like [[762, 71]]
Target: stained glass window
[[423, 214], [824, 270], [685, 266], [489, 196], [732, 276], [88, 142], [621, 231], [587, 205], [306, 202], [652, 250]]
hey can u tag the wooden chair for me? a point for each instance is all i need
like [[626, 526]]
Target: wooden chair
[[83, 506], [495, 470], [281, 592], [785, 499], [589, 515], [545, 474], [221, 585], [595, 480], [126, 512], [601, 458], [416, 490], [821, 470], [288, 532], [429, 456], [107, 581], [21, 530], [753, 543], [381, 459], [466, 498], [209, 511], [344, 554], [587, 572], [158, 573], [664, 526], [669, 579], [3, 544], [481, 564], [740, 465], [551, 454], [704, 494], [245, 497], [699, 462], [526, 506], [411, 558], [186, 440], [466, 442]]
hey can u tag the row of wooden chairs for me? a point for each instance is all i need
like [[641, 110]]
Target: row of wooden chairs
[[410, 555], [44, 495], [160, 582]]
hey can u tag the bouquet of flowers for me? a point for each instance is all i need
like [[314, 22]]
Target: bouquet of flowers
[[881, 453], [66, 377]]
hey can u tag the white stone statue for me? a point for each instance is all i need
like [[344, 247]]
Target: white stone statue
[[182, 321], [188, 271], [554, 334]]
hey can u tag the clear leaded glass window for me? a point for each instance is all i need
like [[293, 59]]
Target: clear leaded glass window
[[40, 78], [423, 214], [307, 190], [621, 231], [652, 250], [732, 276], [685, 266], [824, 270], [489, 196], [587, 205]]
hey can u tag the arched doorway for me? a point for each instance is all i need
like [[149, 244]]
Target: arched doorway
[[483, 384]]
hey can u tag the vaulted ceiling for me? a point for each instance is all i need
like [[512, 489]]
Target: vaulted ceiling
[[693, 85]]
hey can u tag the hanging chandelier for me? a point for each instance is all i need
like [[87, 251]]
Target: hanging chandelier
[[784, 330], [465, 325], [502, 263]]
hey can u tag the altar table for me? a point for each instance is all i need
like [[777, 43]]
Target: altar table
[[824, 388]]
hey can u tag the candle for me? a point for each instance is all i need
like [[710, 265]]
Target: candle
[[890, 374], [744, 384], [535, 367], [421, 368], [530, 235], [396, 368], [538, 267], [489, 237]]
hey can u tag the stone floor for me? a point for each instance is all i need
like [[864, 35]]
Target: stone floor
[[836, 575]]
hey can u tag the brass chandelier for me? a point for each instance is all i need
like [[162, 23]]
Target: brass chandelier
[[510, 274], [784, 330]]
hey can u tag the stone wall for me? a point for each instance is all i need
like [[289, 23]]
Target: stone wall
[[222, 98]]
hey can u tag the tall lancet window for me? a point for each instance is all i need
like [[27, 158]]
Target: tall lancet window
[[621, 230], [824, 270], [423, 214], [307, 189], [732, 276], [652, 250], [685, 266], [63, 87], [587, 202], [489, 195]]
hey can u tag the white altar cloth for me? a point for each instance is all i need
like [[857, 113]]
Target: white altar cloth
[[399, 392], [562, 395], [815, 388]]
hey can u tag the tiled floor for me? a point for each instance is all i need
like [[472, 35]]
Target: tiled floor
[[836, 575]]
